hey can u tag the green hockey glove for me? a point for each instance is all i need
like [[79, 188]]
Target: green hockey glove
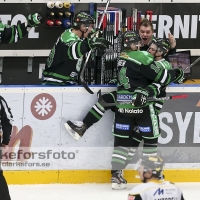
[[179, 76], [98, 43], [140, 97], [35, 19], [113, 81], [95, 33]]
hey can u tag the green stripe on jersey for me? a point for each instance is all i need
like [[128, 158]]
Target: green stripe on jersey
[[52, 74], [13, 34], [79, 50]]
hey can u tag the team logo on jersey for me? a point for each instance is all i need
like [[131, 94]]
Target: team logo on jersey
[[121, 110], [159, 191], [123, 54], [121, 63], [125, 127], [144, 129], [124, 97], [73, 74]]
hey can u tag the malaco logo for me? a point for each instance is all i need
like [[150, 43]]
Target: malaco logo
[[126, 110]]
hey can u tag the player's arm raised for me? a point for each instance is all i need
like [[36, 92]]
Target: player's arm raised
[[78, 48], [12, 34]]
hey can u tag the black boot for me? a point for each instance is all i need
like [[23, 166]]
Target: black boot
[[118, 182], [76, 129]]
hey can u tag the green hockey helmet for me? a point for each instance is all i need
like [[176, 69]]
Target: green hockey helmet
[[163, 45], [130, 37], [83, 18]]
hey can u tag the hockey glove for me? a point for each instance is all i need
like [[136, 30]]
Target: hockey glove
[[98, 43], [140, 97], [113, 81], [95, 33], [179, 76], [34, 19]]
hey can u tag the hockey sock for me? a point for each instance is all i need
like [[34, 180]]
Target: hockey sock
[[94, 115], [135, 142], [150, 146], [119, 157]]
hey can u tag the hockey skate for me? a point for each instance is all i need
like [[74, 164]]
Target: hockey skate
[[76, 129], [118, 182]]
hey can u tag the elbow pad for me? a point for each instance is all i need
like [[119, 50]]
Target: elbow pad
[[153, 89], [165, 76]]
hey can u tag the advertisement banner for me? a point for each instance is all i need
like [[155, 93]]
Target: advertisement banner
[[39, 140], [181, 19]]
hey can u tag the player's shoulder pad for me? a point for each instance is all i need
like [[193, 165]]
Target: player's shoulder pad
[[139, 57], [163, 63], [124, 54], [68, 37], [145, 57]]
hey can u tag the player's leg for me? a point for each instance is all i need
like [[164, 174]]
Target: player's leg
[[97, 111], [149, 129], [118, 162], [136, 139], [122, 129], [148, 126], [4, 192], [78, 128]]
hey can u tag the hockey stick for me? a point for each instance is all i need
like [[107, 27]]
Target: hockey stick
[[197, 60], [89, 53], [105, 104]]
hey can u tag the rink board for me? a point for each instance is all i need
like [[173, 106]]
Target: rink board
[[92, 176], [45, 153]]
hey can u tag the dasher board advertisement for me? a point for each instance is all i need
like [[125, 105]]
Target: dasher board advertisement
[[40, 141], [180, 19]]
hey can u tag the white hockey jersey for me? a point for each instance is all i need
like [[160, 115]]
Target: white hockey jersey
[[156, 190]]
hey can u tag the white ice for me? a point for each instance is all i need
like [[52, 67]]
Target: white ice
[[191, 191]]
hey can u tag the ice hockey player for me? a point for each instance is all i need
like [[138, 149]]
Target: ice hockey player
[[139, 77], [77, 129], [66, 57], [8, 35], [150, 170], [97, 111]]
